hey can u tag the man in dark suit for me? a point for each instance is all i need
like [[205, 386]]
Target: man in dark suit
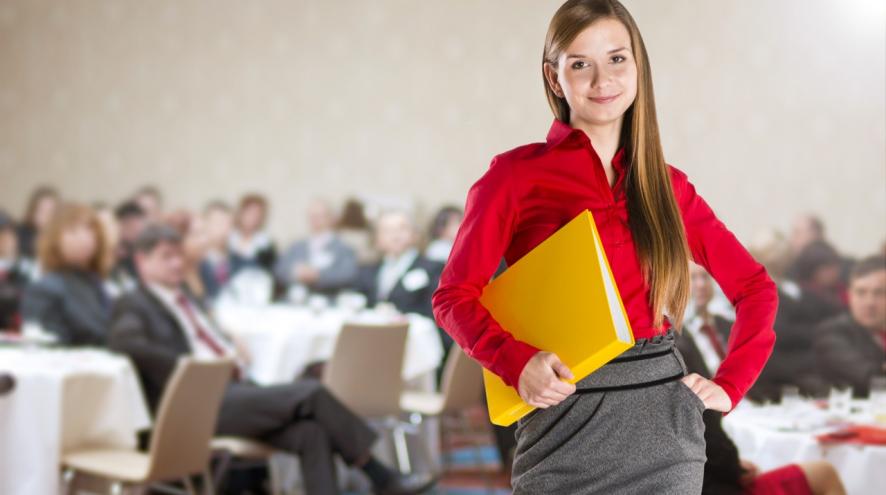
[[404, 277], [159, 322], [851, 347]]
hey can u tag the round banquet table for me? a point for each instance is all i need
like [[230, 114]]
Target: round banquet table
[[282, 338], [773, 435], [63, 399]]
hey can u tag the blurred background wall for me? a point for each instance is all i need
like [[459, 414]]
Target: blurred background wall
[[771, 106]]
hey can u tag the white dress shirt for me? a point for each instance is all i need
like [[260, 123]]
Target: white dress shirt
[[199, 348], [703, 343], [392, 269]]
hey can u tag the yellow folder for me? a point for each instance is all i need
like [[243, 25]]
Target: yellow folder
[[560, 297]]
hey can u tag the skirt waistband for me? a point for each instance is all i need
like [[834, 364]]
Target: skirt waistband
[[651, 361]]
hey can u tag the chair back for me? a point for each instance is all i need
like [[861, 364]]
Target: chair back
[[186, 418], [365, 371], [462, 381]]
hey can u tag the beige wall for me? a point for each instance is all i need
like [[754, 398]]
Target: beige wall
[[771, 107]]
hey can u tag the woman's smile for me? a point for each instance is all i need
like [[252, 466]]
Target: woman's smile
[[604, 99]]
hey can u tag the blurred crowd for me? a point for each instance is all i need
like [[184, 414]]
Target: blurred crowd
[[831, 321], [62, 264]]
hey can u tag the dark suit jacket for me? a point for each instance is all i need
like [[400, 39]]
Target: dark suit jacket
[[792, 359], [12, 284], [722, 469], [145, 330], [142, 328], [692, 356], [847, 353], [71, 304], [405, 300]]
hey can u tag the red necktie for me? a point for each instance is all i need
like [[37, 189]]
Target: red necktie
[[201, 332], [708, 330]]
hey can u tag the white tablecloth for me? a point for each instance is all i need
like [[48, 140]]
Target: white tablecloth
[[772, 436], [63, 399], [282, 339]]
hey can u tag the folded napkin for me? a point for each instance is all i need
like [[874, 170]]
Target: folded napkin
[[858, 434]]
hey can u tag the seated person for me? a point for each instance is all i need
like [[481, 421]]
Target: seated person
[[443, 231], [218, 265], [131, 219], [158, 322], [322, 263], [353, 229], [69, 299], [710, 331], [13, 275], [799, 312], [851, 348], [42, 204], [249, 242], [817, 270], [725, 473], [404, 277]]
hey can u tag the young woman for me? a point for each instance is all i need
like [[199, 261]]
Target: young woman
[[636, 425], [250, 242], [70, 299]]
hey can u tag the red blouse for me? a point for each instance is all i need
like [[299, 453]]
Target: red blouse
[[531, 191]]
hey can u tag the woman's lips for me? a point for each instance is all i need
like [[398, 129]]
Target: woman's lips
[[606, 99]]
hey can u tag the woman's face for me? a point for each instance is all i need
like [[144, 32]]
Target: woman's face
[[78, 244], [596, 74], [700, 284], [44, 210], [252, 216], [394, 234]]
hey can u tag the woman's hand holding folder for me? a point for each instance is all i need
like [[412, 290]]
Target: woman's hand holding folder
[[541, 383]]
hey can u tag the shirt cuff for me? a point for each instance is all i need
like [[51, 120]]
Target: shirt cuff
[[734, 395], [513, 357]]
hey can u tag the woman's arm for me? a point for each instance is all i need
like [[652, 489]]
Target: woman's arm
[[743, 280], [490, 217]]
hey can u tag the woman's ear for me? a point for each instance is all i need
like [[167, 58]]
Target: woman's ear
[[551, 76]]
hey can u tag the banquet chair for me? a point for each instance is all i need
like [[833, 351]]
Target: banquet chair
[[242, 452], [365, 373], [461, 389], [180, 443]]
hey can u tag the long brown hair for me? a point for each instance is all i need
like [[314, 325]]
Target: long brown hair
[[653, 213], [50, 239]]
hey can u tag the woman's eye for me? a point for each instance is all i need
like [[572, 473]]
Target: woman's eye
[[615, 59], [579, 65]]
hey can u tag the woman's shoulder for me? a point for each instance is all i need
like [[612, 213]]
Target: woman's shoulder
[[679, 181], [504, 168], [524, 152]]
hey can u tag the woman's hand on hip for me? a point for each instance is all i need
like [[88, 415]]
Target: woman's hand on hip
[[540, 382], [713, 395]]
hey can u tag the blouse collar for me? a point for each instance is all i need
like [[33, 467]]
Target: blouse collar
[[561, 132]]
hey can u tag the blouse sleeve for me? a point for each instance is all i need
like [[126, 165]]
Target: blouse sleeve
[[744, 281], [485, 233]]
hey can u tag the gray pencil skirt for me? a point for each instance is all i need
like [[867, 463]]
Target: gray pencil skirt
[[637, 429]]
